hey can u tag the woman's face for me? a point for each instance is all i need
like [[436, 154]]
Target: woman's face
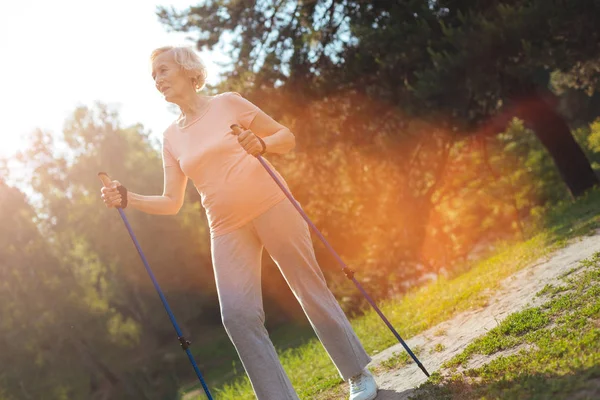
[[169, 78]]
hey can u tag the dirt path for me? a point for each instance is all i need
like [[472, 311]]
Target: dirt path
[[516, 293]]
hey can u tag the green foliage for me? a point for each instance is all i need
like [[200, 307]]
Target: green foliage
[[37, 311], [532, 173], [402, 82], [463, 67], [593, 139], [464, 57]]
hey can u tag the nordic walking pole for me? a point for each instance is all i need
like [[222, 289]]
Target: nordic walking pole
[[349, 273], [185, 344]]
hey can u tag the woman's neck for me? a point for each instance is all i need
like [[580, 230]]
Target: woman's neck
[[192, 105]]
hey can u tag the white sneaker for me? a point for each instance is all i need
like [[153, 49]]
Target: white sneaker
[[363, 386]]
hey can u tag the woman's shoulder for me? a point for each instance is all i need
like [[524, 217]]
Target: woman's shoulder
[[234, 100], [227, 95], [172, 127]]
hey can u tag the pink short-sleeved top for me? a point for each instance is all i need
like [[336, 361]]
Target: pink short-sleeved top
[[233, 185]]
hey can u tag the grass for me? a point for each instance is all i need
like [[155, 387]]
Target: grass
[[398, 360], [558, 343], [438, 348], [313, 374], [506, 335]]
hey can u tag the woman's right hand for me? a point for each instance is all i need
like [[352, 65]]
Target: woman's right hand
[[111, 196]]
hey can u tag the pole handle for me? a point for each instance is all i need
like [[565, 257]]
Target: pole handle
[[106, 181], [236, 129]]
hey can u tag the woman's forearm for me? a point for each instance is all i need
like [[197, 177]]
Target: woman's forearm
[[280, 142], [158, 205]]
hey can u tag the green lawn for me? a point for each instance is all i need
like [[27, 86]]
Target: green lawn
[[546, 352], [311, 371]]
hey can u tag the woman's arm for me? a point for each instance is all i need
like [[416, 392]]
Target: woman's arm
[[171, 200], [277, 138], [168, 204]]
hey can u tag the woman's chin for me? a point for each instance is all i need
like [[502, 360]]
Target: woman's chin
[[170, 98]]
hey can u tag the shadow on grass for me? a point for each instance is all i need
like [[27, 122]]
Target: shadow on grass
[[582, 384], [385, 394]]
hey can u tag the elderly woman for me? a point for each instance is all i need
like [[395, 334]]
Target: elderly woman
[[246, 212]]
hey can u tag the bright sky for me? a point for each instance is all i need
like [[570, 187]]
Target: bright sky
[[55, 55]]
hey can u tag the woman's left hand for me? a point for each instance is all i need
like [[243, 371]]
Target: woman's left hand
[[253, 144]]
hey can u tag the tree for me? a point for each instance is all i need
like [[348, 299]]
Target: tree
[[112, 301], [45, 330], [285, 59], [498, 61], [468, 66]]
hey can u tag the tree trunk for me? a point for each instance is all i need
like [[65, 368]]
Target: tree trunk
[[553, 131]]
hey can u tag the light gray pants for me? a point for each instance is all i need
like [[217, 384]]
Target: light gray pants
[[237, 265]]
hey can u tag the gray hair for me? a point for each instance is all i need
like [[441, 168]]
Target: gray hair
[[189, 61]]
